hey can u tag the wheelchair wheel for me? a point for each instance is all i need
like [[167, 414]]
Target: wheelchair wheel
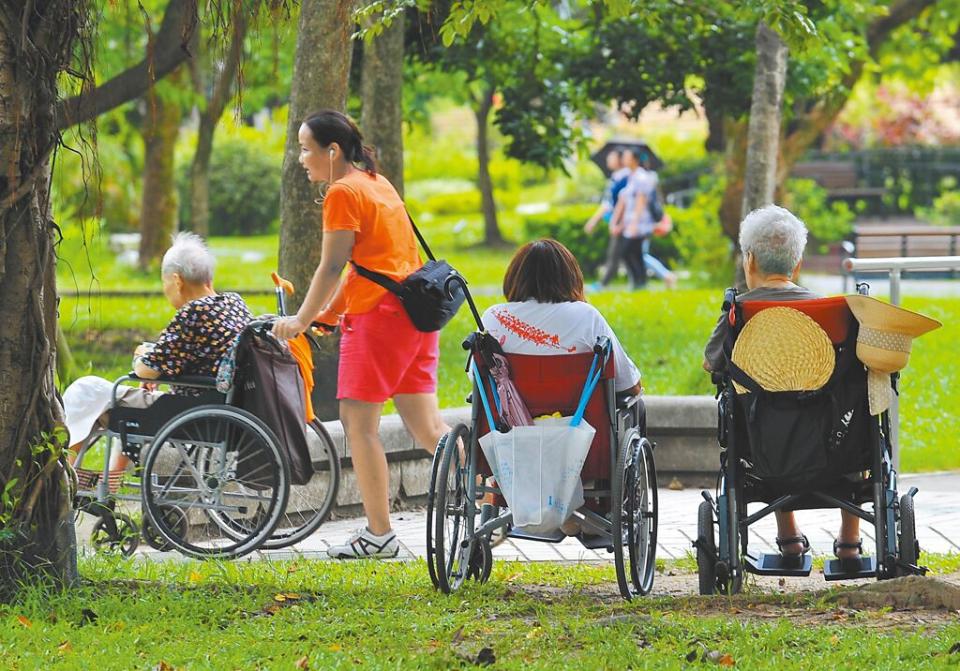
[[909, 547], [309, 504], [634, 514], [481, 561], [215, 462], [706, 549], [117, 535], [175, 517], [447, 514]]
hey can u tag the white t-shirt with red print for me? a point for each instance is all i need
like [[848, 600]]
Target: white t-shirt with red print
[[556, 328]]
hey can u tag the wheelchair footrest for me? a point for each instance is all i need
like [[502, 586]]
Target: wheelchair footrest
[[554, 537], [834, 569], [776, 564]]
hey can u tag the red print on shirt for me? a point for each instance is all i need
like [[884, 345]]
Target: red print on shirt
[[530, 333]]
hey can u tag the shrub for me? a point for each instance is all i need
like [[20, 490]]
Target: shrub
[[244, 190], [827, 222], [462, 202], [698, 234], [565, 224], [945, 210]]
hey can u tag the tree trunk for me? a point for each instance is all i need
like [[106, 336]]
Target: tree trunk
[[491, 231], [321, 74], [382, 94], [763, 134], [36, 522], [158, 214], [209, 118]]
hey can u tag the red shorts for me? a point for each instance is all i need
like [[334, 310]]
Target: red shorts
[[383, 354]]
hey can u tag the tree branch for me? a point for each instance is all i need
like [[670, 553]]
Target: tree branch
[[171, 48]]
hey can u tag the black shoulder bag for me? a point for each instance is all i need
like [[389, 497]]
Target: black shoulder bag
[[431, 295]]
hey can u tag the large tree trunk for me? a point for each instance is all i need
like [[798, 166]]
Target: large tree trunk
[[321, 74], [36, 522], [763, 134], [158, 214], [209, 118], [382, 93], [491, 231]]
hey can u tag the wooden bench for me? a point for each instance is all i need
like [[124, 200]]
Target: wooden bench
[[875, 241], [839, 179]]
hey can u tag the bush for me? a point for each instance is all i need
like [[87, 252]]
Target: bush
[[827, 222], [462, 202], [698, 234], [565, 224], [945, 210], [244, 190]]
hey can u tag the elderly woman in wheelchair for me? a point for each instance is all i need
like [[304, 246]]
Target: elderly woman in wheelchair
[[796, 428], [557, 414], [214, 479]]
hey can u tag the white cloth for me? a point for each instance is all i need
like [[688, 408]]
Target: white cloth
[[641, 183], [556, 328], [89, 397]]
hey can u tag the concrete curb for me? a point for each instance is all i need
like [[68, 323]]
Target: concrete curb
[[682, 427]]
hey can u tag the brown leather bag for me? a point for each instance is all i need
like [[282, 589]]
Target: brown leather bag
[[270, 387]]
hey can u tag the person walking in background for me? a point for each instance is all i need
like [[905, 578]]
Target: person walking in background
[[632, 219], [616, 183], [660, 229], [382, 354]]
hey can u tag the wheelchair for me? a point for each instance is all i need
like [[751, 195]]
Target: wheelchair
[[213, 479], [619, 475], [822, 450]]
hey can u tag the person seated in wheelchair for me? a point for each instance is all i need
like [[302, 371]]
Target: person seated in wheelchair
[[197, 337], [772, 241], [546, 313]]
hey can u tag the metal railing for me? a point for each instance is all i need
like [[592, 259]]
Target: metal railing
[[895, 267]]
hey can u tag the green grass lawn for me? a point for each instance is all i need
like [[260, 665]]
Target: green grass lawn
[[328, 615]]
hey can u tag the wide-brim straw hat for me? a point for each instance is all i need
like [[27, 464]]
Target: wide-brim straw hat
[[784, 350], [883, 343], [886, 332]]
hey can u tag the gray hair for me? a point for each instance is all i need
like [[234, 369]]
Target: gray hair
[[776, 239], [189, 258]]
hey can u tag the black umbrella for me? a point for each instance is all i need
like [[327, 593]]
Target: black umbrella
[[641, 148]]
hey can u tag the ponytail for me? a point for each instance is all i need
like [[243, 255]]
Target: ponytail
[[329, 126]]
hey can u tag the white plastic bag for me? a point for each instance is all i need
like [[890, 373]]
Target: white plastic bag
[[538, 470]]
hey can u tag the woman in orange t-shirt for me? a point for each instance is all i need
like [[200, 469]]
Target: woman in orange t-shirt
[[382, 354]]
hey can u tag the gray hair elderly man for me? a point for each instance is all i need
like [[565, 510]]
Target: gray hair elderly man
[[772, 240], [197, 337]]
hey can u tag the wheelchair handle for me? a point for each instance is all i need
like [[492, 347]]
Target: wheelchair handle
[[457, 278], [281, 283]]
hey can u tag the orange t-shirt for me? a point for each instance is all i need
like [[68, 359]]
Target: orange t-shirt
[[372, 208]]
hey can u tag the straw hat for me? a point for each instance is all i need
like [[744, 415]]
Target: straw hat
[[883, 343], [784, 350]]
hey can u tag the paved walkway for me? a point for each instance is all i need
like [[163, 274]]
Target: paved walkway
[[938, 529]]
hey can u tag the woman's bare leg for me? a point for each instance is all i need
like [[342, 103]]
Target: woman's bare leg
[[849, 533], [361, 425], [787, 528], [421, 415]]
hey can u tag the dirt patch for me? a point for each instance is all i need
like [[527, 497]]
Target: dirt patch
[[903, 603]]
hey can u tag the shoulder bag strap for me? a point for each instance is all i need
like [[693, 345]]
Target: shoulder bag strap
[[385, 281]]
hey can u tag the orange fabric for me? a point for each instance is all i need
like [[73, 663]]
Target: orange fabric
[[372, 208], [832, 314], [300, 349]]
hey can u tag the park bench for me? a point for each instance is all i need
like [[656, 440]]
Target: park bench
[[840, 180], [873, 241]]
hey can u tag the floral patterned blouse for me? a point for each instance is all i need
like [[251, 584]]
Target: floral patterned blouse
[[198, 336]]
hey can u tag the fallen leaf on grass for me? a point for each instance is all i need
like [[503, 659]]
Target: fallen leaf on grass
[[24, 621], [162, 666], [303, 663], [335, 647], [834, 639], [65, 647], [457, 636], [727, 660], [195, 576]]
